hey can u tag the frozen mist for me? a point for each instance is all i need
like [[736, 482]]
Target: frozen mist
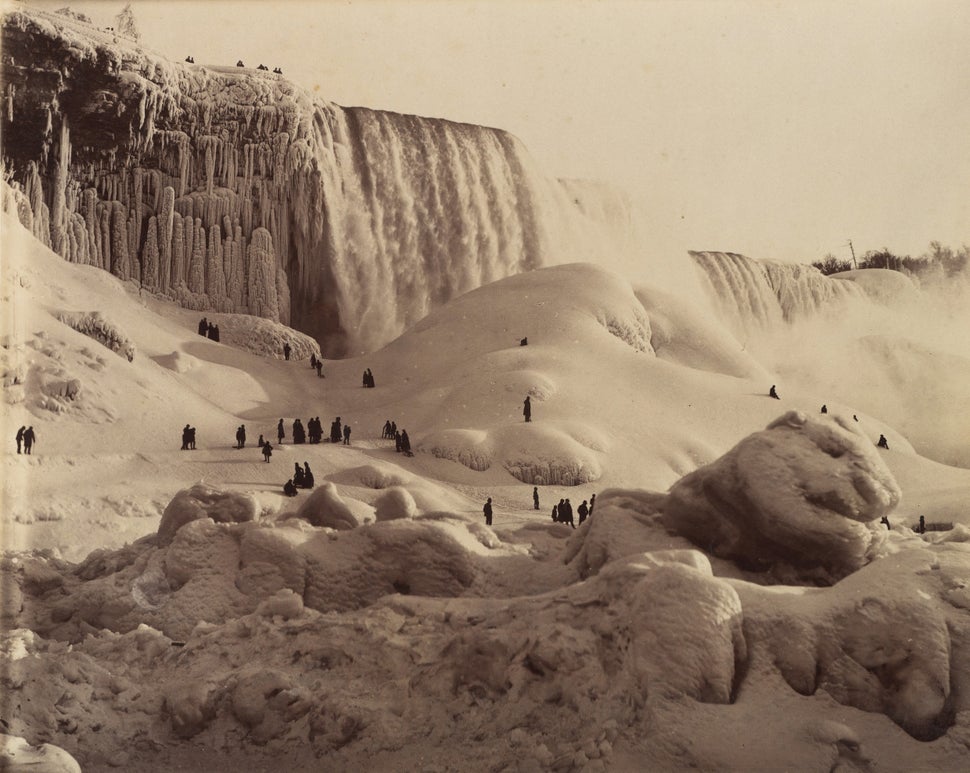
[[734, 602]]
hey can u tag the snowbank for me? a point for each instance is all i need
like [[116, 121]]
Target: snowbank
[[803, 492]]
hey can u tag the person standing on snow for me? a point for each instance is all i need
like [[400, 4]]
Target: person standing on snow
[[267, 451], [29, 439], [535, 497], [583, 511], [527, 409], [20, 437], [280, 433], [487, 510], [286, 350]]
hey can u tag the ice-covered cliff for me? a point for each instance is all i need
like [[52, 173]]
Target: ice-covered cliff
[[233, 189], [751, 294]]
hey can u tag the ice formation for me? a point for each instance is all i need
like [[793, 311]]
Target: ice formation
[[761, 294], [235, 190], [803, 492]]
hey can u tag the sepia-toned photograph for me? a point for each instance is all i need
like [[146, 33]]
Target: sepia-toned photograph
[[557, 386]]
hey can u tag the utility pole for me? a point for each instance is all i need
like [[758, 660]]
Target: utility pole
[[854, 264]]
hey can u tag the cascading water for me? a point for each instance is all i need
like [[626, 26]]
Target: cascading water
[[753, 295], [235, 190]]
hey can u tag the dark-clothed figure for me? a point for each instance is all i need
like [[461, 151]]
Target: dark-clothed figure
[[191, 438], [387, 429], [297, 475], [280, 433], [185, 438], [561, 511], [370, 379], [583, 511], [299, 433], [242, 436], [240, 63], [488, 512], [569, 514], [527, 409], [319, 367], [289, 489], [313, 359], [397, 442], [215, 333], [885, 522], [20, 437], [854, 417], [825, 409], [535, 497], [267, 451], [204, 327], [555, 513], [286, 351], [922, 525], [346, 434], [261, 442], [883, 443], [773, 393], [307, 476], [335, 431], [406, 443], [524, 342], [29, 439], [238, 437], [592, 503]]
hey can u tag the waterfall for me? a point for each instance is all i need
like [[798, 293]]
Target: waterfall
[[751, 294], [234, 190]]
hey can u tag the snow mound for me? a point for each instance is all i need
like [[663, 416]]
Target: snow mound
[[203, 501], [802, 492], [874, 642], [350, 570], [94, 325], [262, 336], [325, 507], [18, 755], [547, 454], [394, 504]]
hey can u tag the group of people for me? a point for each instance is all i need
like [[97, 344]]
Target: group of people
[[188, 438], [402, 443], [239, 63], [368, 379], [317, 365], [26, 436], [208, 330], [302, 478], [241, 436], [563, 512]]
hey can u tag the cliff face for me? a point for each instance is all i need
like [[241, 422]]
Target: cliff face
[[232, 189]]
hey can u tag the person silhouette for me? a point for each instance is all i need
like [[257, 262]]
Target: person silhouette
[[267, 450], [487, 510], [883, 443], [825, 409], [527, 409], [535, 497], [20, 437], [280, 433], [29, 438], [922, 525], [773, 393]]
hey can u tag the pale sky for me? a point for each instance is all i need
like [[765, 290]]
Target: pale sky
[[776, 129]]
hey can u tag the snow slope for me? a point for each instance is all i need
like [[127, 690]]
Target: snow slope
[[412, 636]]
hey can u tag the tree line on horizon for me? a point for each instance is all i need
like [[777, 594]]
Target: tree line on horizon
[[940, 260]]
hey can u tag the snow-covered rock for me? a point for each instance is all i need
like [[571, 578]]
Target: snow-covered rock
[[395, 503], [325, 507], [802, 492], [204, 501]]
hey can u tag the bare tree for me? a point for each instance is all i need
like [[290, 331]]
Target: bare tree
[[126, 25]]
